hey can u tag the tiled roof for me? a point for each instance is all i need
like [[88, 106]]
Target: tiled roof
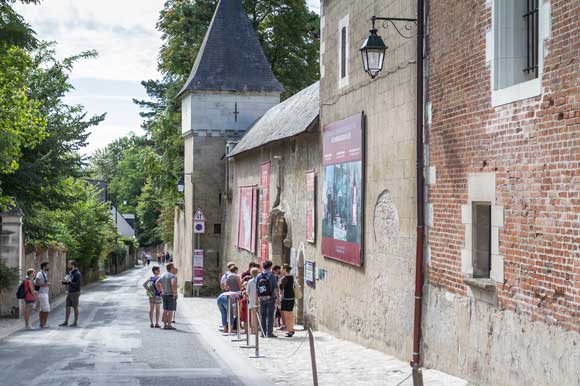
[[292, 117], [231, 58]]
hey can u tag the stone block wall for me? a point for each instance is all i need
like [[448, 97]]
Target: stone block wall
[[527, 154], [373, 304]]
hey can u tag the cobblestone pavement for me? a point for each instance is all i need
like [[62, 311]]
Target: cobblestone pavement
[[287, 360]]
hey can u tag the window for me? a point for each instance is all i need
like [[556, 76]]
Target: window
[[217, 229], [342, 48], [516, 42], [481, 239], [343, 52]]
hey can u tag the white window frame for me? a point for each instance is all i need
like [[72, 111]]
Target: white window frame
[[343, 23], [527, 89]]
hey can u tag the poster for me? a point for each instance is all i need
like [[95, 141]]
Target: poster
[[309, 271], [264, 198], [343, 190], [247, 199], [197, 267], [311, 206]]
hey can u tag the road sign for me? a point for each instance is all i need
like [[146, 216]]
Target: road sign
[[199, 215], [198, 226]]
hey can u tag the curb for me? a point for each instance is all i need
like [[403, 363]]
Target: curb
[[56, 303]]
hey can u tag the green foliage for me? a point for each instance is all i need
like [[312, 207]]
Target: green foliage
[[148, 211], [14, 31], [8, 276]]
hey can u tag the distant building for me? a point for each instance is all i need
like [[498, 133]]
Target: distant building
[[230, 86]]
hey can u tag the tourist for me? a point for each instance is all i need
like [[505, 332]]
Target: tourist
[[42, 285], [277, 270], [29, 297], [247, 273], [267, 288], [168, 258], [225, 275], [288, 299], [233, 281], [148, 257], [154, 297], [73, 282], [167, 286], [222, 303], [252, 296]]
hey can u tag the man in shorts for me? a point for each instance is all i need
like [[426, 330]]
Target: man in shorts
[[42, 285], [73, 282], [167, 285]]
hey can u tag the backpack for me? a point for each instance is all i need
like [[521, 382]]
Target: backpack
[[21, 292], [151, 290], [264, 286], [297, 291]]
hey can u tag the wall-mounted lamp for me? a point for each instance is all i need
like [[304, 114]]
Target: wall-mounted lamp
[[373, 48]]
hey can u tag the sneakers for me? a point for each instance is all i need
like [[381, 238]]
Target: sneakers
[[65, 324]]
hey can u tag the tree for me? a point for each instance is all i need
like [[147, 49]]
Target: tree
[[22, 125], [54, 156], [148, 210]]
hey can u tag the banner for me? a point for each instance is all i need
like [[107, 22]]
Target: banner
[[311, 206], [264, 251], [198, 267], [343, 190], [247, 200], [264, 198]]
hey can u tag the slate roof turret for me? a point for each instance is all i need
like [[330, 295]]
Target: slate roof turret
[[230, 57]]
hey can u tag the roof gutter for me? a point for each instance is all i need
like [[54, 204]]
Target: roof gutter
[[416, 362]]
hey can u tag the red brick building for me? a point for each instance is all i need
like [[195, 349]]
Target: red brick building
[[504, 190]]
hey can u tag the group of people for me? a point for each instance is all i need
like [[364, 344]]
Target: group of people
[[162, 290], [34, 290], [162, 258], [270, 295]]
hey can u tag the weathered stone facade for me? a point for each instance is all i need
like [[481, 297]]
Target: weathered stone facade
[[373, 304], [518, 149]]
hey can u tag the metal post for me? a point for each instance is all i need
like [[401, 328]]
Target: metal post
[[238, 323], [257, 346], [248, 329], [229, 315], [313, 357]]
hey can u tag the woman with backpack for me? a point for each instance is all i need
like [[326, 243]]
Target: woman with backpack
[[154, 297], [29, 296]]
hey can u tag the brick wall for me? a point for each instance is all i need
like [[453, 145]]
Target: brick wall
[[532, 146]]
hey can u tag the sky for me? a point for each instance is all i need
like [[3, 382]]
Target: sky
[[123, 32]]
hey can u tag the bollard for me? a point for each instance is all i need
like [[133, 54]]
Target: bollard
[[238, 323], [257, 346], [248, 329], [313, 357]]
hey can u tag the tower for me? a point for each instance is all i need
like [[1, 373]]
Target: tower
[[230, 86]]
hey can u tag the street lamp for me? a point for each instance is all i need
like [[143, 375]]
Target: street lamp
[[373, 53], [181, 185], [373, 48]]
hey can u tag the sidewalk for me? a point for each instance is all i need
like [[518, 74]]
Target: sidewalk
[[287, 360]]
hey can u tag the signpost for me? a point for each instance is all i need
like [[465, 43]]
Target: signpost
[[199, 221]]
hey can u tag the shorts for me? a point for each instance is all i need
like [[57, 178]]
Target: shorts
[[155, 300], [43, 302], [72, 299], [287, 305], [169, 303]]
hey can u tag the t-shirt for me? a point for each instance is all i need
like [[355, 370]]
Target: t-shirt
[[74, 284], [287, 287], [165, 281], [232, 282], [252, 292], [224, 278], [41, 280]]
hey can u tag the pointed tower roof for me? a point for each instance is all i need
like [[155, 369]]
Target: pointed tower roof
[[230, 57]]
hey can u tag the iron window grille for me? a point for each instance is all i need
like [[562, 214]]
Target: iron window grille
[[532, 32]]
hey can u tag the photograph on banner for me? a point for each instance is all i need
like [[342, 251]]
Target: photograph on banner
[[311, 206], [342, 190], [247, 203]]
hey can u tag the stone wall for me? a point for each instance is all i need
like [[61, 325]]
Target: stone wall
[[373, 304], [521, 155]]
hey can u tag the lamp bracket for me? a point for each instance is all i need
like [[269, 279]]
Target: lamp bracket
[[406, 24]]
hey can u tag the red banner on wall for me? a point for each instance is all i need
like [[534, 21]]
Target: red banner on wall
[[265, 198], [264, 251], [342, 190], [247, 202]]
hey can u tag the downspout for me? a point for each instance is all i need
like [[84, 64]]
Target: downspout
[[419, 280]]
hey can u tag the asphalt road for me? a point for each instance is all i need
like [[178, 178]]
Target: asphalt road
[[113, 345]]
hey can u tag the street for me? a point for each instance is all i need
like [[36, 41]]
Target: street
[[113, 345]]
